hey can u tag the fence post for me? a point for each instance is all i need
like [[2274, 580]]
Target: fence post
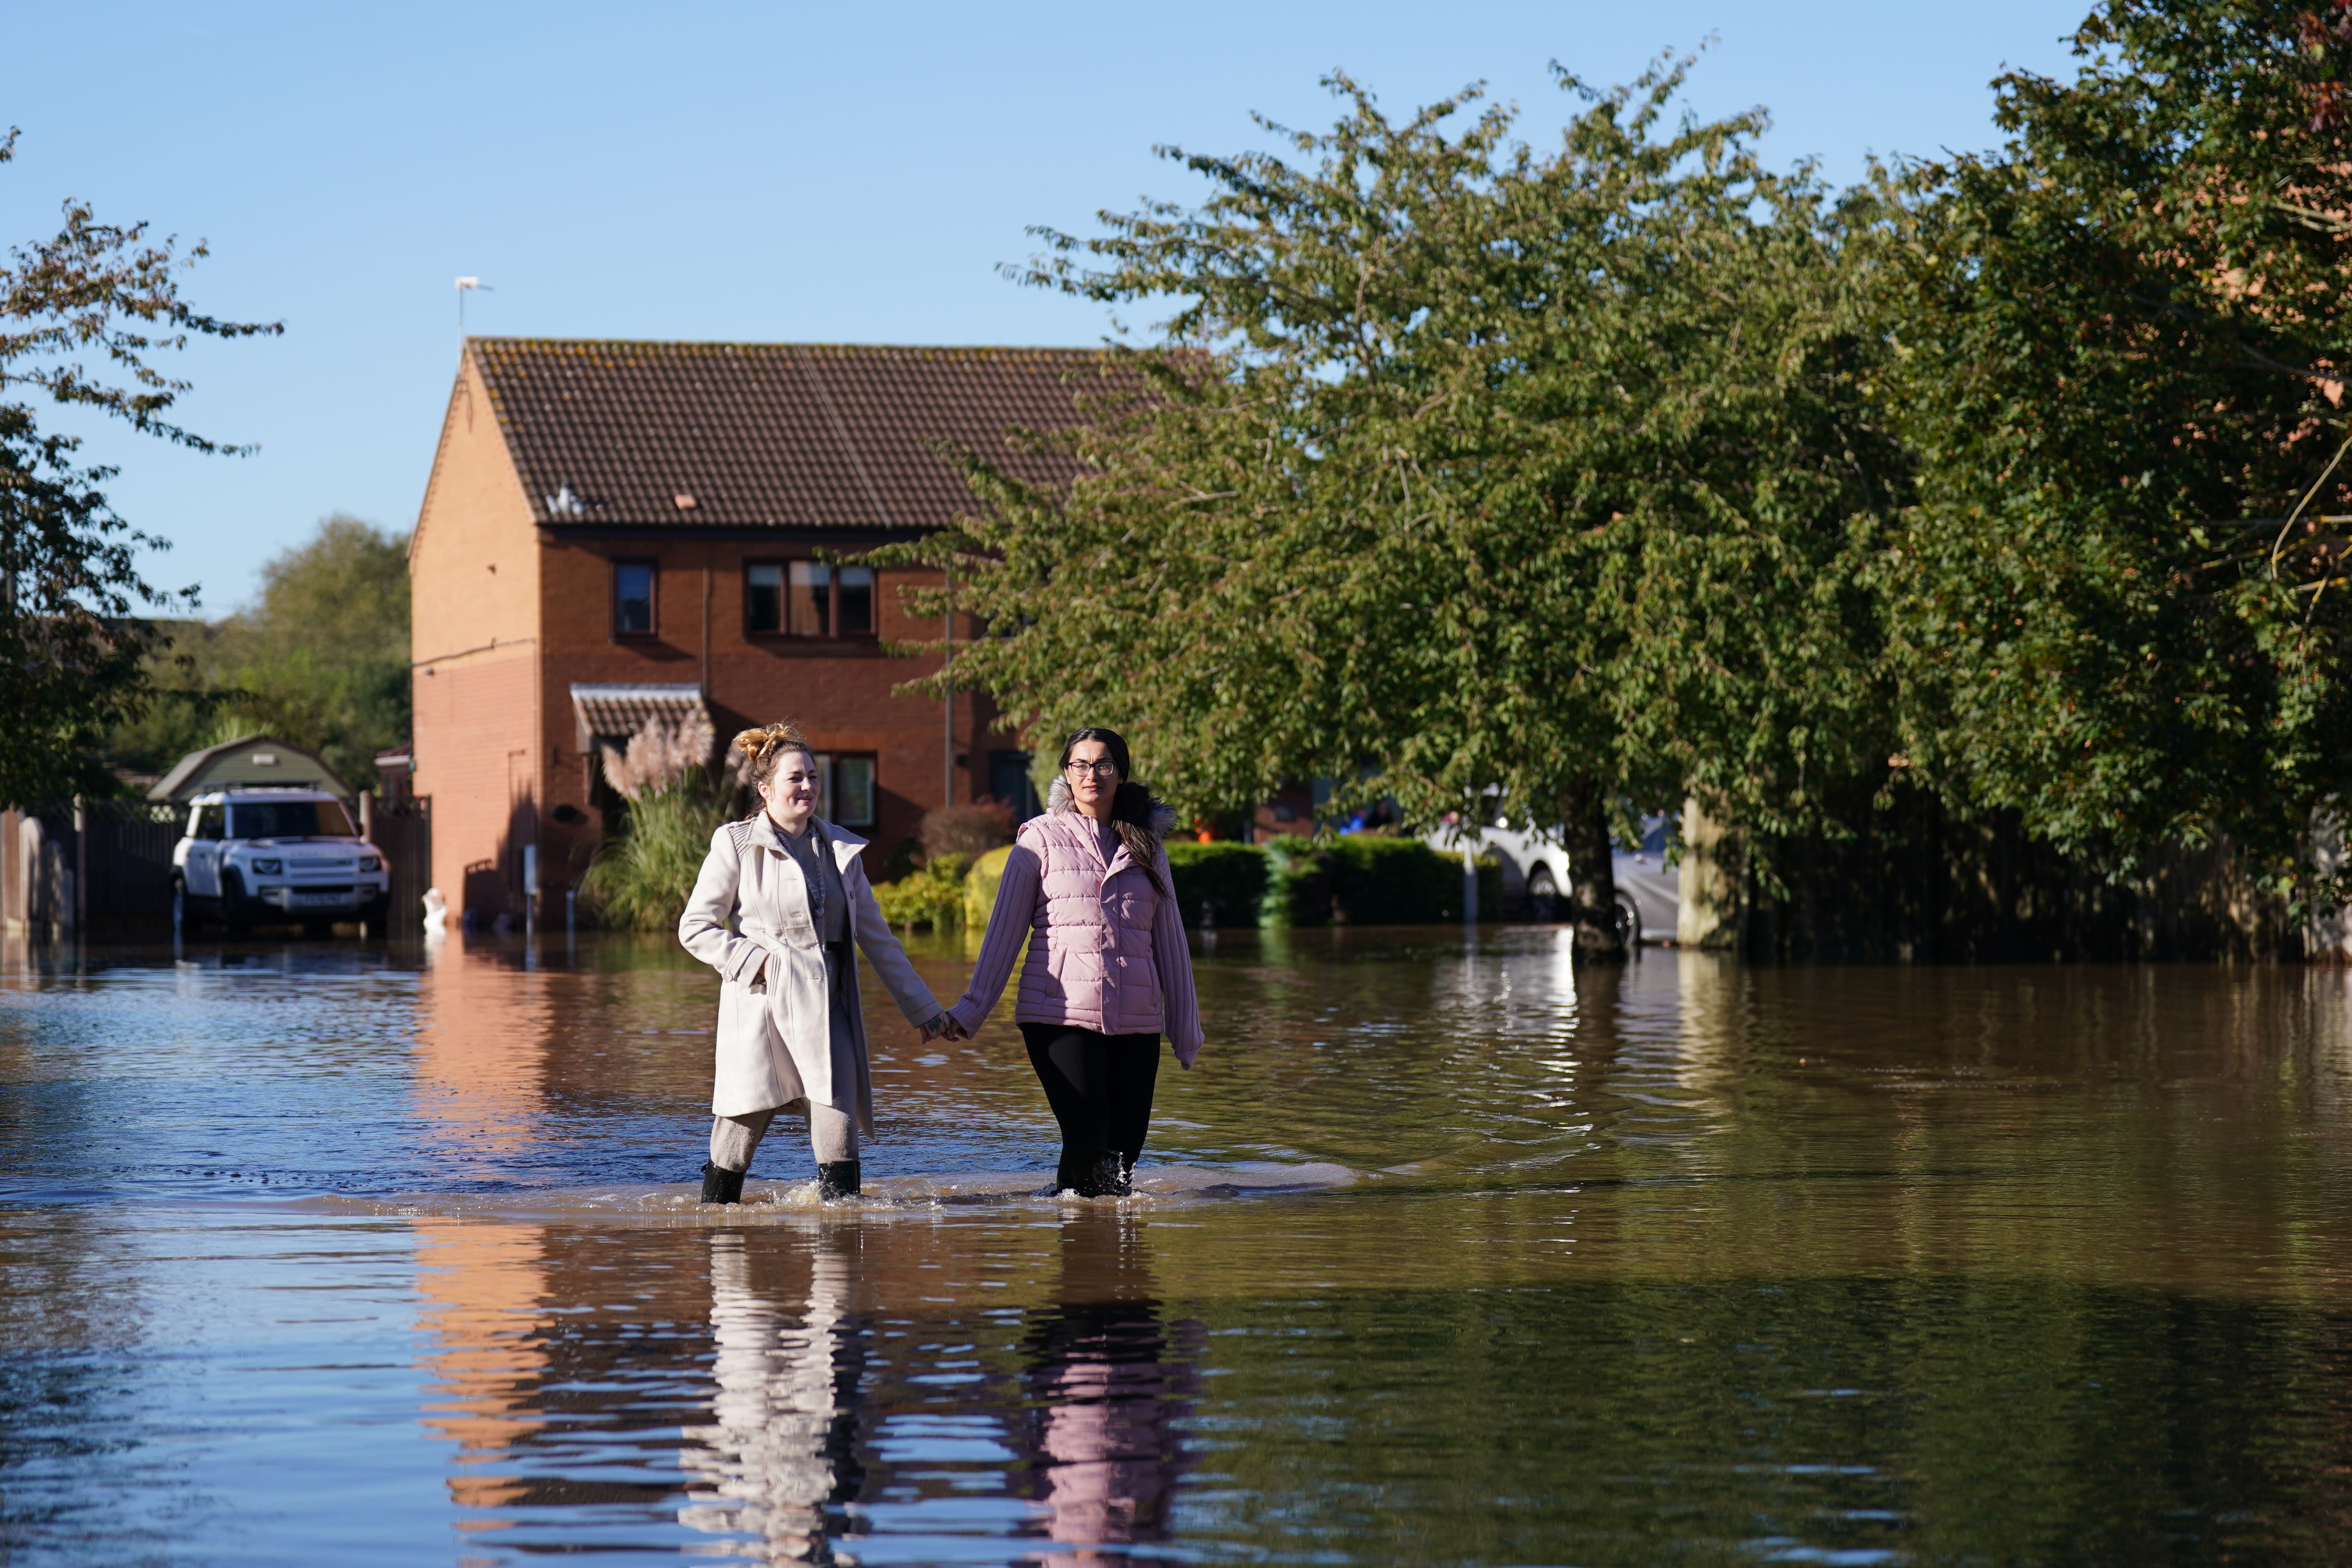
[[81, 867]]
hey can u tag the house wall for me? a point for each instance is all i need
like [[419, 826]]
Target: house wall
[[474, 566], [837, 690], [509, 615]]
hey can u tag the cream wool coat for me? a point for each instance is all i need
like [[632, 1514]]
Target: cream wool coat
[[749, 918]]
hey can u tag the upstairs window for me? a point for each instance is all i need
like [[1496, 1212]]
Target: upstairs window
[[633, 598], [831, 601], [763, 598]]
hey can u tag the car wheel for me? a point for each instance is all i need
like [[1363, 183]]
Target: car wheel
[[236, 913], [1543, 894], [190, 916], [1629, 923]]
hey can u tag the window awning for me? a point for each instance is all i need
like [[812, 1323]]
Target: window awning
[[617, 712]]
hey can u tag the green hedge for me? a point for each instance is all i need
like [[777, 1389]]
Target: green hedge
[[1230, 879], [1392, 881], [980, 884], [1354, 880], [931, 895]]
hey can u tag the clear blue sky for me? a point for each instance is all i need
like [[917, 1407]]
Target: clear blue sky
[[767, 172]]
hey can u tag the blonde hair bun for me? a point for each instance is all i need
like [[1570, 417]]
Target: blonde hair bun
[[762, 749], [756, 743]]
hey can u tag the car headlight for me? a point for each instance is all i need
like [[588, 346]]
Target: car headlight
[[267, 867], [370, 863]]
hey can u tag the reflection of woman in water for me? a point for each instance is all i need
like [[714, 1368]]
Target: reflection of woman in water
[[779, 896], [780, 1457], [1087, 885], [1106, 1385]]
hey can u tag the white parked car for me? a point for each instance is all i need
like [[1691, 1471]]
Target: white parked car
[[271, 855], [1535, 879]]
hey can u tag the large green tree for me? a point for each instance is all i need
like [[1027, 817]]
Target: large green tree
[[82, 316], [2119, 606], [319, 657], [1463, 467]]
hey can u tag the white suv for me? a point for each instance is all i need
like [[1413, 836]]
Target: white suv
[[250, 855]]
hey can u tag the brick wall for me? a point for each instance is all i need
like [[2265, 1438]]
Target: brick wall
[[837, 690], [476, 758], [509, 615], [474, 588]]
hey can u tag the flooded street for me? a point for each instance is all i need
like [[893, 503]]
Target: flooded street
[[317, 1252]]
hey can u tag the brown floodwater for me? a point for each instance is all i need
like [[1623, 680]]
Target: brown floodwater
[[1447, 1252]]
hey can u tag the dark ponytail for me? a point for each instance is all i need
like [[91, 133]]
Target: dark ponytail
[[1130, 818], [1131, 805]]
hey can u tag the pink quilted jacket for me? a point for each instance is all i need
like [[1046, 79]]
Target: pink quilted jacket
[[1106, 951]]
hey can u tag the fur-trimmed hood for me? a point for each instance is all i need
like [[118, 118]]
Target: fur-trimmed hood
[[1163, 815]]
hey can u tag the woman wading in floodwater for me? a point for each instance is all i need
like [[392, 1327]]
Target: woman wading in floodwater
[[1087, 885], [779, 896]]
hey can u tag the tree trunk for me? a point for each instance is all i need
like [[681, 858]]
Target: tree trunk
[[1592, 899]]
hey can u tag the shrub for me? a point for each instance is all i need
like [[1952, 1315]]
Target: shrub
[[1229, 878], [660, 755], [1297, 884], [642, 879], [930, 895], [968, 830], [1392, 881], [980, 884], [1362, 879]]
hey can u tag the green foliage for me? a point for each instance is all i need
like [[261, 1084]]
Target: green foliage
[[932, 895], [2119, 605], [1544, 469], [1628, 469], [980, 884], [74, 663], [642, 878], [1229, 878], [1392, 881], [1363, 879], [320, 658]]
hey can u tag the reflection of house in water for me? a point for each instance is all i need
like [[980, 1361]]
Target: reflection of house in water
[[484, 1288], [480, 1062], [779, 1458]]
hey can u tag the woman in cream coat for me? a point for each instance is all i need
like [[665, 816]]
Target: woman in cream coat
[[780, 896]]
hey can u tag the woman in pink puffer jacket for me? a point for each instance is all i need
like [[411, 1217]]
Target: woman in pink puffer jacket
[[1087, 885]]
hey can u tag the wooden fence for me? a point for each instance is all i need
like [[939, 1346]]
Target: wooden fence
[[107, 863], [402, 830]]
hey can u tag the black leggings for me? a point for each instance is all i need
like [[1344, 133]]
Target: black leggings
[[1100, 1088]]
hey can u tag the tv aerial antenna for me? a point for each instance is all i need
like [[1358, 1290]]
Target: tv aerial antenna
[[465, 287]]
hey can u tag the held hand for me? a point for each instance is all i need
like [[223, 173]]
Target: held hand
[[941, 1024]]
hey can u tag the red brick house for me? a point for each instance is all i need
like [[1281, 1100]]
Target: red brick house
[[619, 529]]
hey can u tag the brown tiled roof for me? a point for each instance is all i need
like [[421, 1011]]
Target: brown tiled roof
[[765, 435]]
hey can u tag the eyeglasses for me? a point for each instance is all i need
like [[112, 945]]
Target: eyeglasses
[[1104, 768]]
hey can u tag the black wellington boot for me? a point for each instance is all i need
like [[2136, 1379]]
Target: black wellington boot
[[836, 1179], [720, 1186], [1103, 1179]]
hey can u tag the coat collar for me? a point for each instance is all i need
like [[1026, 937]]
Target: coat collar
[[1058, 802], [845, 843]]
